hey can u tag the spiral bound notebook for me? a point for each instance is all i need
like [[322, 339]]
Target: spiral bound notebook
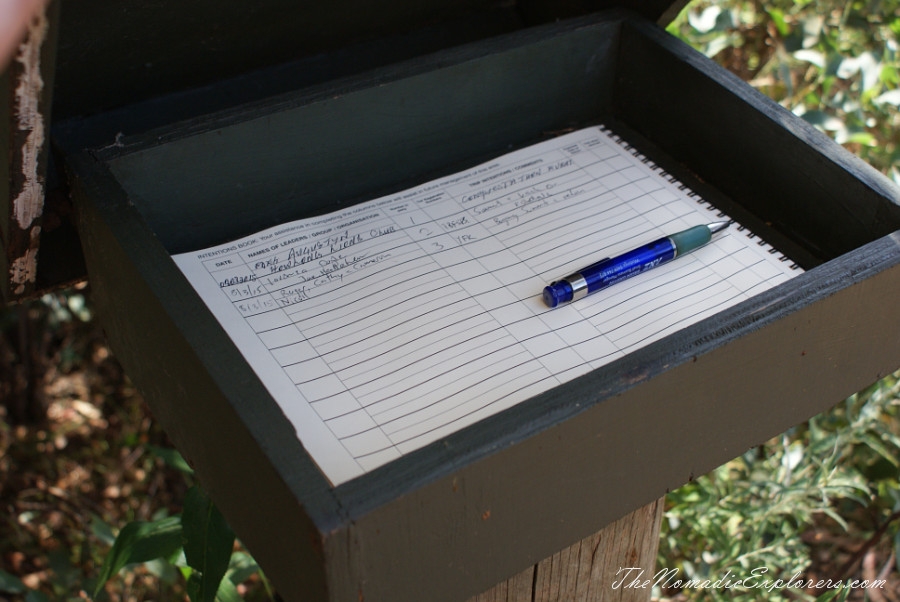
[[386, 326]]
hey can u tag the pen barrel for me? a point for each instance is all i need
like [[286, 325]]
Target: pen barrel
[[610, 271]]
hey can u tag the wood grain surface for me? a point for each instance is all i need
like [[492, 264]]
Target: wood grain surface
[[593, 570]]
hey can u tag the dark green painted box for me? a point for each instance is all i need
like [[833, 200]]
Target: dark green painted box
[[159, 165]]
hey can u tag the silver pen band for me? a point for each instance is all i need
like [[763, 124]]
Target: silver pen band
[[674, 247], [579, 286]]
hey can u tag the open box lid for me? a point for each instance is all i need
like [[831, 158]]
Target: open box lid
[[145, 64]]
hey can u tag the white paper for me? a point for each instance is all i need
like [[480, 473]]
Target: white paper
[[386, 326]]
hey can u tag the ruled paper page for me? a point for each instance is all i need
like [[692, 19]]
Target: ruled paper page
[[386, 326]]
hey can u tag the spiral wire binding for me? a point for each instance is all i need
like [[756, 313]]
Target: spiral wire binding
[[691, 194]]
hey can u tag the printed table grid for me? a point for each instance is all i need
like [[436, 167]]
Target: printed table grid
[[383, 327]]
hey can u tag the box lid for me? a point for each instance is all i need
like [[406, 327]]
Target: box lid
[[139, 64]]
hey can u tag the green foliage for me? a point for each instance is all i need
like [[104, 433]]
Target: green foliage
[[142, 541], [197, 545], [10, 584], [753, 511], [198, 542], [836, 595], [834, 63], [208, 543], [171, 458]]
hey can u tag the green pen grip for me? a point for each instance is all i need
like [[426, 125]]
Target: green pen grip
[[690, 239]]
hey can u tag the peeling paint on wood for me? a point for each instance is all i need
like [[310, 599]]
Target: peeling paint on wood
[[24, 270], [29, 150]]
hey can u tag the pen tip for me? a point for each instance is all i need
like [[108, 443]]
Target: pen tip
[[719, 226]]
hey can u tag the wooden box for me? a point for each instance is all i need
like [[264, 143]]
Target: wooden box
[[258, 144]]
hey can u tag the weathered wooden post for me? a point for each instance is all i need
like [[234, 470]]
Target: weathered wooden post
[[604, 567]]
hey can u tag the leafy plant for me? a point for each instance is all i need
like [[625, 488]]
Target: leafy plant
[[835, 64], [198, 544], [754, 511]]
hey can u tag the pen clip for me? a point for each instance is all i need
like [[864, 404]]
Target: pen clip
[[596, 263]]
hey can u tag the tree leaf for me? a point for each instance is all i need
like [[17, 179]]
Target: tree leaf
[[839, 594], [193, 586], [813, 57], [102, 531], [241, 567], [141, 541], [812, 30], [705, 21], [10, 584], [777, 17], [890, 97], [227, 592], [171, 457], [36, 596], [208, 543]]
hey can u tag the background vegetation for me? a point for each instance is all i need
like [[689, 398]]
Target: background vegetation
[[822, 500], [80, 456]]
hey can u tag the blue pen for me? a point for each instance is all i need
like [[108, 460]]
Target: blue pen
[[609, 271]]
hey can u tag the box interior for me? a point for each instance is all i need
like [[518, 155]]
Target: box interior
[[309, 154], [303, 154]]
